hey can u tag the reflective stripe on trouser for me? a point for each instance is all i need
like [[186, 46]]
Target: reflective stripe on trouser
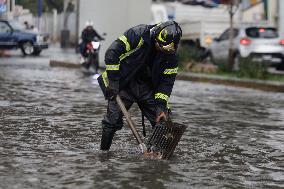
[[105, 79]]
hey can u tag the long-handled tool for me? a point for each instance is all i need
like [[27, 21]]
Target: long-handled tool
[[131, 124]]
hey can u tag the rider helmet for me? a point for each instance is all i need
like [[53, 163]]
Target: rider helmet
[[89, 23]]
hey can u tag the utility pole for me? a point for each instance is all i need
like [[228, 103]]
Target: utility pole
[[39, 13], [13, 5]]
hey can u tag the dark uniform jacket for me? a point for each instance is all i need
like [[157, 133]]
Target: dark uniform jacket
[[133, 56]]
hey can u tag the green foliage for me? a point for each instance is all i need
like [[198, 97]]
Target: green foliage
[[223, 66], [247, 68], [252, 69], [187, 54], [48, 5]]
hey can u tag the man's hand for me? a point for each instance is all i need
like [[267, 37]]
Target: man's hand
[[111, 93], [160, 117], [161, 114]]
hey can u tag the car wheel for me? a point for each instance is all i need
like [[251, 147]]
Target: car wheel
[[280, 67], [27, 48], [212, 60]]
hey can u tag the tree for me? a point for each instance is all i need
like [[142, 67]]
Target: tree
[[48, 5], [69, 9], [233, 6], [56, 4]]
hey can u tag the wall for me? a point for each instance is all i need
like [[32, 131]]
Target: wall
[[272, 12], [113, 17], [254, 14]]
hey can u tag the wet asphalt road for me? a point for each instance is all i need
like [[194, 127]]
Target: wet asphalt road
[[50, 134]]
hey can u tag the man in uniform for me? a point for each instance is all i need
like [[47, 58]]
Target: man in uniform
[[141, 67]]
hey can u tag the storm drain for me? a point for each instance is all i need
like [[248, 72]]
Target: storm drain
[[165, 138]]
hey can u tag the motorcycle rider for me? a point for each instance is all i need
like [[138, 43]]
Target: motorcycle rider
[[87, 36], [141, 67]]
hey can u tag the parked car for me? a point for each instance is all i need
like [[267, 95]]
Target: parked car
[[257, 43], [13, 36]]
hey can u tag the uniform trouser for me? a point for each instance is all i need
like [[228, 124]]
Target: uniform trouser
[[138, 92]]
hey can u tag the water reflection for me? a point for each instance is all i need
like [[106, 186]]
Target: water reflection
[[50, 133]]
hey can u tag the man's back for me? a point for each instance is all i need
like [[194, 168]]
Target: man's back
[[89, 35]]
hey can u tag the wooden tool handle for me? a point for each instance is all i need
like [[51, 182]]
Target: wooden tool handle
[[131, 124]]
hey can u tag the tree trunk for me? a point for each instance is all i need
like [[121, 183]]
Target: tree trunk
[[231, 38]]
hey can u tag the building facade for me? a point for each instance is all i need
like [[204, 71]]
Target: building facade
[[113, 17]]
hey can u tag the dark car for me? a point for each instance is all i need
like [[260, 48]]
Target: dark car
[[12, 36]]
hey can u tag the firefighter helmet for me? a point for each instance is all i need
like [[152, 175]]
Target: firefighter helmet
[[167, 36]]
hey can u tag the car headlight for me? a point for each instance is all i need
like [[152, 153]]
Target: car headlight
[[39, 38]]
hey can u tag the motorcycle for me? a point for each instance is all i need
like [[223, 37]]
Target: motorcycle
[[92, 59]]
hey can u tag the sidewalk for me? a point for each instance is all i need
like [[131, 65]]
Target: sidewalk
[[69, 59], [273, 86], [63, 57]]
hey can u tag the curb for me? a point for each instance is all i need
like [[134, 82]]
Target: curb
[[66, 64], [272, 86], [4, 54], [236, 82]]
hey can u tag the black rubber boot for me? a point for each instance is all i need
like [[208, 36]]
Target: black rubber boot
[[107, 136]]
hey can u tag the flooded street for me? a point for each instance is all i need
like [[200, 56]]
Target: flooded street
[[50, 134]]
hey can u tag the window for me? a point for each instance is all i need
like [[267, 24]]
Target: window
[[226, 34], [259, 32], [4, 28], [16, 26]]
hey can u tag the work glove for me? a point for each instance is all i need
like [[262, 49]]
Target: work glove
[[161, 114], [112, 90]]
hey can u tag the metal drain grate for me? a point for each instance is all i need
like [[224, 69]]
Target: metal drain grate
[[165, 138]]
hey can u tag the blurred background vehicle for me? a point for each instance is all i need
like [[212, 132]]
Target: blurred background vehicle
[[92, 59], [258, 43], [14, 36]]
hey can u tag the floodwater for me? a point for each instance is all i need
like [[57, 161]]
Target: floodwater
[[50, 134]]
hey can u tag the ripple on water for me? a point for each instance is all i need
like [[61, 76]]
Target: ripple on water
[[51, 124]]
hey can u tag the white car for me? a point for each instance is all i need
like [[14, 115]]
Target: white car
[[257, 43]]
